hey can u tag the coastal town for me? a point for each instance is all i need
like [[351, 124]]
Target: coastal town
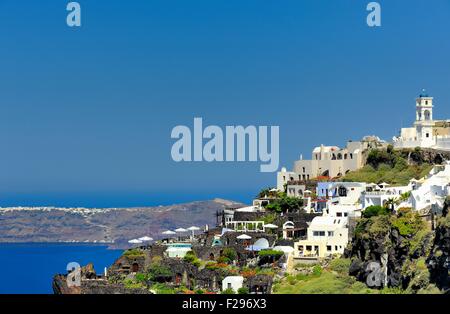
[[327, 221]]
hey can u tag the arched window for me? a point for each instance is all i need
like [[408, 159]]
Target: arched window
[[427, 115], [342, 191]]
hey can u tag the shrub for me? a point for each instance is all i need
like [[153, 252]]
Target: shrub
[[228, 291], [243, 290], [229, 253], [158, 272], [276, 254], [133, 253], [191, 258], [340, 265], [376, 210], [408, 223], [317, 270]]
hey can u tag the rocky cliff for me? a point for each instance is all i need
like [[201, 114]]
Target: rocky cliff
[[400, 251]]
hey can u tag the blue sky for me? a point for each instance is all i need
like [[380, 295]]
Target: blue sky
[[86, 114]]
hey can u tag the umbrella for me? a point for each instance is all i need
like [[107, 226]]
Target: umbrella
[[135, 241], [193, 229], [243, 237], [270, 226], [145, 239], [181, 230], [169, 232]]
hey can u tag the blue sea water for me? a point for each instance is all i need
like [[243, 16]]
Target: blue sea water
[[29, 268]]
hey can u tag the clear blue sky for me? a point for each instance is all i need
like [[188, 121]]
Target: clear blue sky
[[86, 114]]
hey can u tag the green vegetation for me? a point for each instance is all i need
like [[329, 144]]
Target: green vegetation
[[408, 223], [133, 284], [285, 203], [159, 272], [316, 280], [269, 218], [190, 257], [243, 290], [161, 288], [376, 210], [228, 291], [391, 166], [134, 253], [228, 256], [268, 192], [272, 253]]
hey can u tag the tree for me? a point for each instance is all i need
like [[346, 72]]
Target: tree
[[375, 210]]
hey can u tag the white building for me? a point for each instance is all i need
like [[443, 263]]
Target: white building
[[327, 235], [425, 132], [379, 196], [431, 190], [329, 161], [233, 282]]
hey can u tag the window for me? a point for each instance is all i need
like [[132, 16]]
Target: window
[[229, 285], [319, 233], [428, 135], [338, 214], [304, 169], [345, 214], [329, 248], [330, 233], [335, 248], [342, 191]]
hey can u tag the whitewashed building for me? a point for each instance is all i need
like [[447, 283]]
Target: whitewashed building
[[425, 132], [432, 190], [329, 161]]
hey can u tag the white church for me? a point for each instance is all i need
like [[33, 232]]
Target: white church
[[426, 132]]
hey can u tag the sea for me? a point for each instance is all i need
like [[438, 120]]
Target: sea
[[28, 268]]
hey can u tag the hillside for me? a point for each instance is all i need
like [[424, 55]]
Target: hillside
[[102, 225], [396, 167]]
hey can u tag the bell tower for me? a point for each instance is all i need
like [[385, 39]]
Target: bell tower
[[424, 107]]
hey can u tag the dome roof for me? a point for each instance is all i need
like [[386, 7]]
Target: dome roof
[[424, 93]]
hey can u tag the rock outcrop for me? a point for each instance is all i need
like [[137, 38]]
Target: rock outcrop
[[439, 259]]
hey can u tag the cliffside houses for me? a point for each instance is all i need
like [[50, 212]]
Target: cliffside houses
[[425, 132], [329, 161], [430, 193]]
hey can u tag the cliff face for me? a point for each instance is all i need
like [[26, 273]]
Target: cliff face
[[439, 259], [391, 251]]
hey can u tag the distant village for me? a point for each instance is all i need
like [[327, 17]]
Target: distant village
[[309, 217]]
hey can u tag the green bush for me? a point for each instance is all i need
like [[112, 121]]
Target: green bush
[[230, 254], [340, 265], [276, 254], [133, 253], [317, 270], [243, 290], [156, 272], [376, 210], [228, 291]]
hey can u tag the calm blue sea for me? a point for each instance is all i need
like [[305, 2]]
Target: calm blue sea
[[29, 268]]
